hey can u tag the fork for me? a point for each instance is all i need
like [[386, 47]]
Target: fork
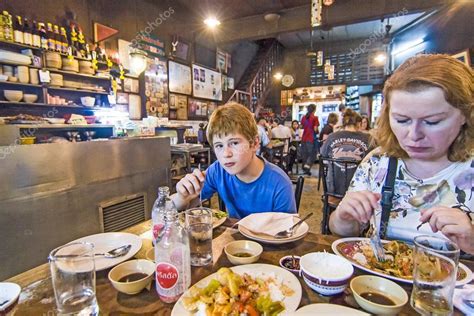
[[375, 242], [290, 231]]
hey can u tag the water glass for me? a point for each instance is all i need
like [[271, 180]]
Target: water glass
[[199, 227], [73, 276], [435, 263]]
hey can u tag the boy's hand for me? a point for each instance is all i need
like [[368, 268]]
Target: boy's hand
[[191, 185]]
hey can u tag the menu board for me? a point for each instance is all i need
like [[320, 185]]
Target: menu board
[[179, 78], [207, 84]]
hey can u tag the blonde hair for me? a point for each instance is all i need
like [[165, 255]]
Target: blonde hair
[[420, 73], [232, 118]]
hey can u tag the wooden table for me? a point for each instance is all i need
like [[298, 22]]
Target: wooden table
[[37, 296]]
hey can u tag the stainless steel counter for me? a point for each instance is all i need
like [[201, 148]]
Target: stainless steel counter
[[51, 194]]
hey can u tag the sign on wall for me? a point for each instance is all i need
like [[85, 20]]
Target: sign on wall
[[179, 78], [207, 84]]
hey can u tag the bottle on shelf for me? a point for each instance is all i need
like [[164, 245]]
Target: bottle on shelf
[[27, 34], [51, 39], [64, 42], [73, 40], [7, 26], [57, 40], [172, 256], [44, 36], [82, 43], [36, 35], [18, 30], [2, 27]]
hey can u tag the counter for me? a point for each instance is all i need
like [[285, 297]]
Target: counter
[[51, 194]]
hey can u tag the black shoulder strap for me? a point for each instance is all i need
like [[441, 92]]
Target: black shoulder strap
[[387, 195]]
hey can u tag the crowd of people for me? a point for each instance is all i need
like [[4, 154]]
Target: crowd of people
[[424, 134]]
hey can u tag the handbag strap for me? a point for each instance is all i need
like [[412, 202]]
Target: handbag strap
[[387, 195]]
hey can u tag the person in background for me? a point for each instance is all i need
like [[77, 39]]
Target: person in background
[[329, 127], [294, 144], [365, 124], [341, 109], [245, 182], [309, 142], [262, 134], [280, 130], [346, 143], [426, 123]]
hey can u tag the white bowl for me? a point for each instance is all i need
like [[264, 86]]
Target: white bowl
[[30, 98], [252, 248], [11, 293], [326, 273], [13, 95], [88, 101], [130, 267], [370, 283]]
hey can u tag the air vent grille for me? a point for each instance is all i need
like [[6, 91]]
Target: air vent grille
[[122, 212]]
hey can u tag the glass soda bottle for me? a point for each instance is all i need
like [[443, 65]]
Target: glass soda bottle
[[172, 256], [158, 211]]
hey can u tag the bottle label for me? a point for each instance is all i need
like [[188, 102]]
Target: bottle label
[[166, 275], [157, 228]]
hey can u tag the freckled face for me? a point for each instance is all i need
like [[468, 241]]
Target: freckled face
[[234, 152], [424, 123]]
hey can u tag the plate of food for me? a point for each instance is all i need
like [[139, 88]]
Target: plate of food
[[254, 288], [399, 265]]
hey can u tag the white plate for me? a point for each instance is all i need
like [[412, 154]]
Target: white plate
[[300, 233], [8, 292], [108, 241], [334, 245], [254, 270], [327, 309]]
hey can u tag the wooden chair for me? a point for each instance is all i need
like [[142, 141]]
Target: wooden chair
[[336, 176]]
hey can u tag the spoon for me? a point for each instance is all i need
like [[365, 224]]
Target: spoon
[[290, 231], [114, 253], [3, 303]]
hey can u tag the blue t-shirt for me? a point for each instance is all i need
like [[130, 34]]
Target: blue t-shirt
[[271, 192]]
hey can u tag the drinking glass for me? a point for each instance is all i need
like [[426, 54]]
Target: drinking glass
[[199, 227], [73, 276], [435, 263]]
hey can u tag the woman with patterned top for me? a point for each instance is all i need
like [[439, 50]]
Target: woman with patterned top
[[427, 124]]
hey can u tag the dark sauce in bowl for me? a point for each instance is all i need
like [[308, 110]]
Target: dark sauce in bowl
[[133, 277], [291, 263], [242, 254], [377, 298]]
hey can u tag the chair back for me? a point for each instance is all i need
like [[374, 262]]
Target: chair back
[[336, 176], [298, 192]]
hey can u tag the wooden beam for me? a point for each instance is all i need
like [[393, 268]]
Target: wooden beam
[[340, 13]]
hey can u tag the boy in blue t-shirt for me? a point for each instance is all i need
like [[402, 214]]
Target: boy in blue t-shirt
[[245, 182]]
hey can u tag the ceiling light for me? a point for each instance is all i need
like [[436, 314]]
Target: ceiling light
[[380, 58], [278, 76], [212, 22], [138, 62]]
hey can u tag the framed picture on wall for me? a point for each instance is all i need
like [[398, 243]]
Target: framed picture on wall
[[463, 56]]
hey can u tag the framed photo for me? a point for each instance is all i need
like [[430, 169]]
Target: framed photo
[[463, 56]]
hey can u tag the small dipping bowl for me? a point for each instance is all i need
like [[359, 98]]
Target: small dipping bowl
[[140, 274], [235, 251], [325, 273], [286, 263], [374, 284]]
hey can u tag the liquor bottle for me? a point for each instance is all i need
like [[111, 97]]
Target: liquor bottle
[[8, 26], [64, 42], [73, 39], [2, 27], [51, 39], [58, 46], [44, 36], [18, 30], [172, 256], [82, 43], [36, 35], [27, 35]]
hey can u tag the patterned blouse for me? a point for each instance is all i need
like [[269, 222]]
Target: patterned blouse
[[452, 187]]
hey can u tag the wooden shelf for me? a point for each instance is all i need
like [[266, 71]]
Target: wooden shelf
[[78, 90], [21, 84], [16, 65], [13, 44], [46, 105], [76, 74]]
